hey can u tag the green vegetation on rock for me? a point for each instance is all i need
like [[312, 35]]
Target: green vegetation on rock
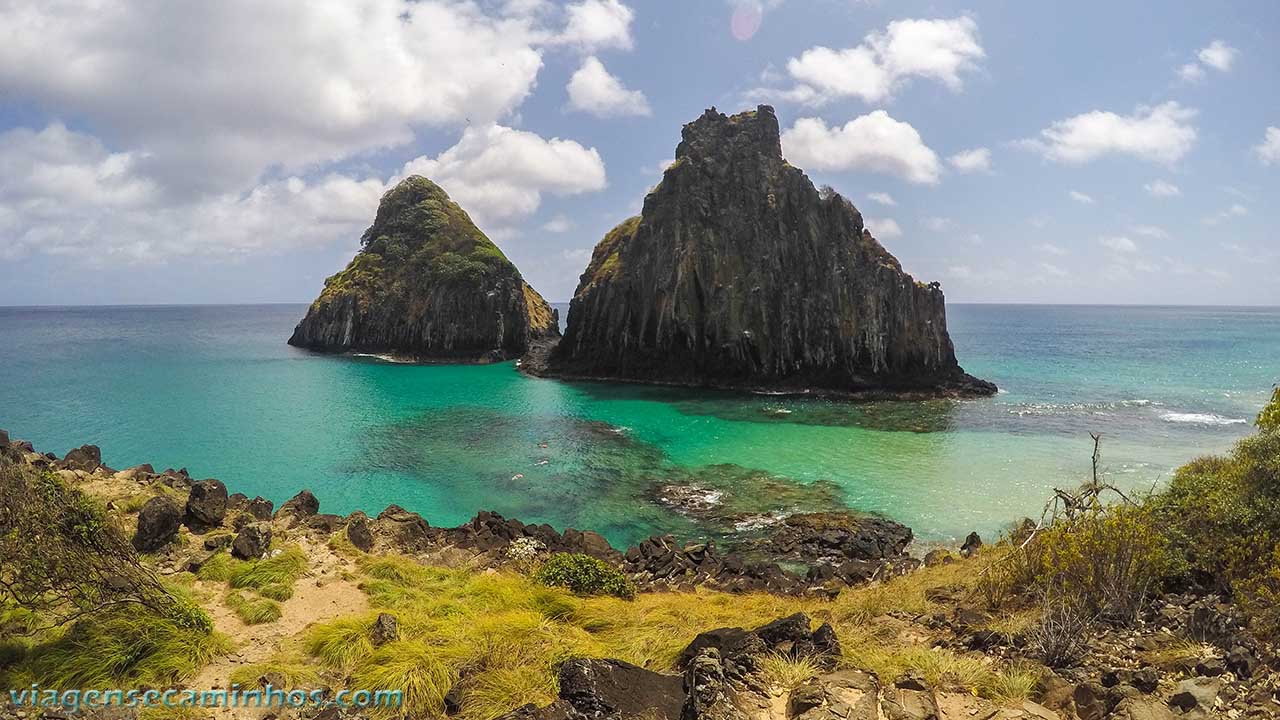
[[585, 575], [426, 282], [1216, 526]]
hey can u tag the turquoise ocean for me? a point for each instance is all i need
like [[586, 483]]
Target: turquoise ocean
[[216, 390]]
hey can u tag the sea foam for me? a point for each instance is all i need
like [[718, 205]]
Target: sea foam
[[1201, 419]]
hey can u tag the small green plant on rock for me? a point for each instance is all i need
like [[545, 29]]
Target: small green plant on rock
[[585, 575]]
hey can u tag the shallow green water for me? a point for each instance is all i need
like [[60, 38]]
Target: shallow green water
[[216, 390]]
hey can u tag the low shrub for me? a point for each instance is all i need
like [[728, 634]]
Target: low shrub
[[1061, 637], [585, 575], [1269, 418]]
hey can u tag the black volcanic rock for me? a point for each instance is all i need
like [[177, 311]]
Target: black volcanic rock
[[740, 273], [426, 284]]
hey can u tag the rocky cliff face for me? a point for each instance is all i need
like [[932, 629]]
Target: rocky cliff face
[[740, 273], [426, 284]]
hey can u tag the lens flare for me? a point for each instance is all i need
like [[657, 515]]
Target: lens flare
[[745, 21]]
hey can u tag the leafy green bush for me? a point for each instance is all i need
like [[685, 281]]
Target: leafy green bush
[[1222, 516], [1269, 418], [585, 575], [1105, 563]]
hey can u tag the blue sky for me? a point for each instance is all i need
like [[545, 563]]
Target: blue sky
[[1090, 152]]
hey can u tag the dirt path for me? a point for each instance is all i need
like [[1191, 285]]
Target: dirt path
[[319, 596]]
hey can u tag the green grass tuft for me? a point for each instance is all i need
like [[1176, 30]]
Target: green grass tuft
[[414, 666], [217, 568], [296, 672], [126, 646], [786, 673], [276, 591], [341, 643], [253, 611], [282, 570]]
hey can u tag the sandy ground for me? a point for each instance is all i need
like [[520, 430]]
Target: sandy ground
[[319, 596]]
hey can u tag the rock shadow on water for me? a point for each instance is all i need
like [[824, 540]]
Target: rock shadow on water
[[575, 472], [920, 416]]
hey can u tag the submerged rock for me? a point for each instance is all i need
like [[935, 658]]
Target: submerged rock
[[426, 284], [739, 273]]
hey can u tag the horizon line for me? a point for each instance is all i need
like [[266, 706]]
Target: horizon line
[[566, 302]]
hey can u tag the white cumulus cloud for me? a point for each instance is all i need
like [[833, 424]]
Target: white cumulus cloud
[[1119, 244], [971, 161], [874, 142], [1269, 151], [64, 193], [592, 89], [498, 174], [1235, 211], [1218, 55], [1081, 197], [1191, 72], [210, 95], [1051, 269], [1162, 134], [597, 24], [1151, 231], [883, 198], [873, 71], [1162, 189], [558, 224], [883, 228]]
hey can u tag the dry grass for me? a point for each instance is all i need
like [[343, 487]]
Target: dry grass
[[503, 635], [785, 673]]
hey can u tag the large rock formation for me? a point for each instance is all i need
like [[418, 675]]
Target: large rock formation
[[740, 273], [426, 284]]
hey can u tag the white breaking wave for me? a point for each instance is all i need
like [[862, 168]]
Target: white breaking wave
[[1201, 419], [1095, 408], [384, 357]]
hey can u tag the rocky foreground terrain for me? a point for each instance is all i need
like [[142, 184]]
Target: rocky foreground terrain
[[740, 273], [426, 285], [914, 640]]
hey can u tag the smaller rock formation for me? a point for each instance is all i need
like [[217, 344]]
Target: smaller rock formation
[[708, 693], [428, 285], [617, 689], [385, 629], [259, 508], [158, 524], [86, 457], [206, 505], [302, 505], [252, 541], [359, 532]]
